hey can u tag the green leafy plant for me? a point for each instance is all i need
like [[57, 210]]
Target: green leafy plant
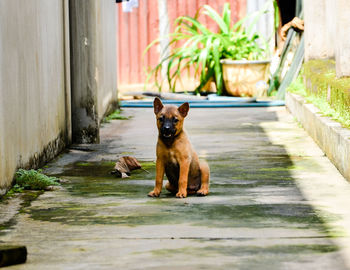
[[195, 46], [34, 180]]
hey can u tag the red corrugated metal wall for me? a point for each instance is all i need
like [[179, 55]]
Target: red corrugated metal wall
[[138, 28]]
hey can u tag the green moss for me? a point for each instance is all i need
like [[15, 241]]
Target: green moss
[[276, 250], [15, 189], [278, 169], [267, 256], [94, 181], [116, 115], [298, 87], [100, 198], [13, 192], [26, 197], [323, 89], [127, 153], [83, 164], [170, 211]]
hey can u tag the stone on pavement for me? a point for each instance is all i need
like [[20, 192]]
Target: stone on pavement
[[10, 255]]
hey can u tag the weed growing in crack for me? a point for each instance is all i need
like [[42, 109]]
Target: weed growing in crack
[[34, 180]]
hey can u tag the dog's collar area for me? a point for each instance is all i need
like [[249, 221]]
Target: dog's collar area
[[168, 141], [167, 138]]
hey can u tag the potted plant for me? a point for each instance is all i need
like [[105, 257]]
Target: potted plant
[[195, 46]]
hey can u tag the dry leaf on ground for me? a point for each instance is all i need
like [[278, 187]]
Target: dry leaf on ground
[[125, 165]]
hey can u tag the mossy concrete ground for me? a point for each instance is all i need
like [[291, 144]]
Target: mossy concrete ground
[[276, 202]]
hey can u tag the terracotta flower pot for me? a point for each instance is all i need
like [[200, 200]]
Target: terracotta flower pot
[[243, 77]]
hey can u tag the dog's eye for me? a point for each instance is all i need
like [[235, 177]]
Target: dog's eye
[[175, 120], [161, 119]]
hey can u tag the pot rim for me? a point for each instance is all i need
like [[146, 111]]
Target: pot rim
[[243, 62]]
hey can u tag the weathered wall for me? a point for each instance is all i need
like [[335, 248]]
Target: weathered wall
[[34, 99], [342, 38], [331, 23], [35, 76], [326, 32], [315, 25], [93, 65]]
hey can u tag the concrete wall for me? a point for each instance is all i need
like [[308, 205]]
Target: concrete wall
[[106, 73], [327, 34], [34, 99], [342, 40], [93, 62], [315, 26], [35, 76], [331, 23]]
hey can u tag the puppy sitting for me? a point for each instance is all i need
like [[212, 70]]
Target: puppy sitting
[[176, 156]]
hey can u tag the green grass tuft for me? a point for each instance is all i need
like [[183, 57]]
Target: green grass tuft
[[297, 87], [15, 189], [116, 115], [335, 106], [34, 180]]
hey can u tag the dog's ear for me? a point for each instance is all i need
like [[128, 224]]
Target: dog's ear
[[157, 105], [184, 108]]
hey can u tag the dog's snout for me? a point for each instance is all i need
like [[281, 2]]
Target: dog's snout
[[167, 129], [167, 125]]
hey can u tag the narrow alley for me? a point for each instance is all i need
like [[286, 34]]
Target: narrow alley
[[263, 212]]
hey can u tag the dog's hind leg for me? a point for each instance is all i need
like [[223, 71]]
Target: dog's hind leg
[[205, 172]]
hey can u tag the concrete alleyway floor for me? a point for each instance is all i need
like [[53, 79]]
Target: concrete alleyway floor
[[276, 201]]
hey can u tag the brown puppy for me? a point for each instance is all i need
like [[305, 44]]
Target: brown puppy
[[176, 156]]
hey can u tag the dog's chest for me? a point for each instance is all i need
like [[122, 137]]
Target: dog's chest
[[172, 158]]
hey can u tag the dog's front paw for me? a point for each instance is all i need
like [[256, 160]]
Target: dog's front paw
[[181, 194], [154, 193], [203, 192]]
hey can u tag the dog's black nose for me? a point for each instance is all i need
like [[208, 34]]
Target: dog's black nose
[[166, 128]]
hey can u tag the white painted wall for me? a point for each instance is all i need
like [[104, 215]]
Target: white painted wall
[[35, 93], [32, 83]]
